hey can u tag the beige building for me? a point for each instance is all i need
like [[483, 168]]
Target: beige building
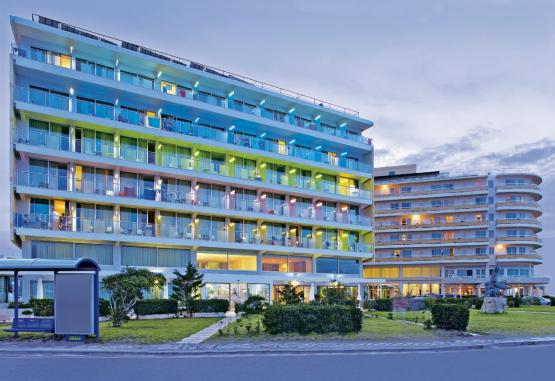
[[442, 233]]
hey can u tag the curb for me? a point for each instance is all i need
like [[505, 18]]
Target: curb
[[191, 352]]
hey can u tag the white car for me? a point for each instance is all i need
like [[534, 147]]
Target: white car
[[537, 300]]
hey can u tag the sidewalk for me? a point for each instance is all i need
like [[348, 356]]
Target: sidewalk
[[264, 347]]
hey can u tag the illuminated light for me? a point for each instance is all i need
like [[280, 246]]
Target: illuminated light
[[71, 49], [159, 74], [263, 134], [318, 117], [262, 102], [319, 176], [160, 147], [197, 119], [292, 170], [197, 221], [197, 153], [292, 141], [343, 153], [196, 84], [231, 94], [318, 204], [232, 192], [263, 165], [231, 224], [344, 208], [232, 128], [262, 226], [318, 148], [197, 186], [292, 110], [117, 61], [232, 160], [343, 180], [292, 201], [343, 124], [294, 283], [117, 101], [318, 233], [263, 197], [71, 91], [159, 111]]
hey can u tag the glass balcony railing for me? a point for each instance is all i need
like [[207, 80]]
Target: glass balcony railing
[[205, 97], [104, 110], [71, 224], [108, 186], [62, 142]]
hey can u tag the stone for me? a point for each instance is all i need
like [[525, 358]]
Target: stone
[[494, 305]]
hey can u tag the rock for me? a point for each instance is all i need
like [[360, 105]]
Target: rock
[[494, 305]]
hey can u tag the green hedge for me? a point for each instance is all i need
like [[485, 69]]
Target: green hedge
[[379, 304], [210, 305], [20, 305], [155, 306], [253, 305], [478, 303], [304, 319], [450, 316], [467, 301], [42, 307]]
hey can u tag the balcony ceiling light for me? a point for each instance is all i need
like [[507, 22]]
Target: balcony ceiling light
[[117, 61], [232, 128], [159, 111], [159, 74], [318, 117], [263, 165], [71, 49], [343, 153], [231, 93], [197, 119], [262, 102], [292, 141], [263, 134], [71, 91], [317, 148], [292, 110], [343, 124], [196, 84]]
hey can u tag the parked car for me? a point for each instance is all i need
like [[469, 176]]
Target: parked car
[[536, 300]]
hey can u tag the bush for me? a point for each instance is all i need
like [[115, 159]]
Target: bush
[[253, 305], [304, 319], [155, 306], [210, 305], [478, 303], [42, 307], [20, 305], [467, 301], [379, 304], [104, 307], [450, 316], [515, 301]]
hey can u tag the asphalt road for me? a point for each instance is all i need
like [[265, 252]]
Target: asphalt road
[[515, 363]]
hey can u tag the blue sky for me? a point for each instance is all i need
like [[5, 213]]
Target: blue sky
[[452, 85]]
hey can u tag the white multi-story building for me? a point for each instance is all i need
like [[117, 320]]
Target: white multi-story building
[[135, 157], [442, 233]]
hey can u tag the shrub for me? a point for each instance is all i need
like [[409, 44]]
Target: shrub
[[253, 305], [450, 316], [104, 307], [27, 312], [516, 301], [155, 306], [210, 305], [478, 303], [467, 301], [383, 304], [20, 305], [304, 319], [42, 307]]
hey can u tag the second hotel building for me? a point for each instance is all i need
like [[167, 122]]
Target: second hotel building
[[138, 158]]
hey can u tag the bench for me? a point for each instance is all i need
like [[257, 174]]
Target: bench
[[32, 325]]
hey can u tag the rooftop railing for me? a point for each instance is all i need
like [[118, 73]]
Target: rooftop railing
[[189, 63]]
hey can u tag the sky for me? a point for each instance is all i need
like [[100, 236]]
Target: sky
[[451, 85]]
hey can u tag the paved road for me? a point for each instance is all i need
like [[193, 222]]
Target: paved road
[[515, 363]]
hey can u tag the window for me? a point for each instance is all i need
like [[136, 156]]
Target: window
[[394, 206], [51, 250], [405, 205], [480, 200], [512, 250], [406, 253], [47, 289], [405, 189], [326, 265], [437, 235], [212, 261], [168, 87], [437, 252], [242, 262], [464, 273], [490, 184], [224, 261], [480, 251], [480, 234], [522, 250], [436, 203], [381, 272], [396, 253], [348, 266]]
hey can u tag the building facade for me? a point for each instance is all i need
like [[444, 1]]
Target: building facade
[[440, 233], [135, 157]]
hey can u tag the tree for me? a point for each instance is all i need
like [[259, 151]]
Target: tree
[[186, 287], [125, 288], [337, 294], [288, 295]]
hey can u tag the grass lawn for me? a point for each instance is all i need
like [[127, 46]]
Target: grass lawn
[[137, 331], [372, 329], [516, 321], [535, 309], [414, 316]]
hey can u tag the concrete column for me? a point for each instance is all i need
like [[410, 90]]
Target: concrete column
[[271, 295], [116, 219], [312, 294], [158, 187], [117, 256], [203, 292], [40, 289], [166, 291], [360, 296], [117, 145]]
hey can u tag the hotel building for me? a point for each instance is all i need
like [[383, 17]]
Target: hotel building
[[138, 158], [442, 233]]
